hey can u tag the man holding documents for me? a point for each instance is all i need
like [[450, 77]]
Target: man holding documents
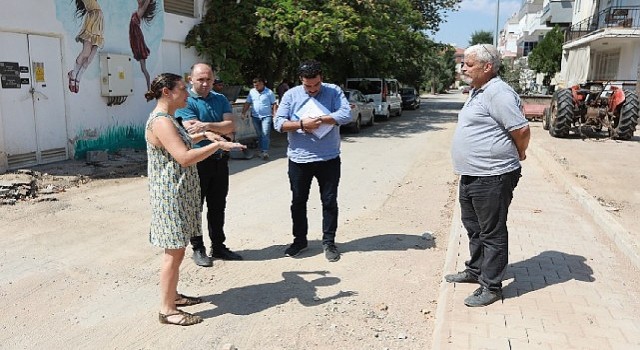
[[311, 114]]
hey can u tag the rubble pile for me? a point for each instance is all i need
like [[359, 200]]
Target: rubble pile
[[25, 185], [17, 186]]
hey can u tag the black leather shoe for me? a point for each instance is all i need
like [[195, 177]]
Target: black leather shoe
[[295, 249], [201, 259], [461, 277], [224, 254], [482, 297]]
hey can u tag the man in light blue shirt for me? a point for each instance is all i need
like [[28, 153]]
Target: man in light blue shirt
[[263, 107], [311, 156]]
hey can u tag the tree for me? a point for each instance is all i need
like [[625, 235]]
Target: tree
[[511, 72], [431, 11], [350, 37], [481, 37], [546, 56]]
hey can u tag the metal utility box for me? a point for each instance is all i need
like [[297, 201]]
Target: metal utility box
[[116, 73]]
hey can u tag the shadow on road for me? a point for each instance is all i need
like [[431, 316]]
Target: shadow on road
[[384, 242], [543, 270], [252, 299]]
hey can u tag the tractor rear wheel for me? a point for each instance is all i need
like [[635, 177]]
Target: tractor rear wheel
[[561, 116], [625, 124]]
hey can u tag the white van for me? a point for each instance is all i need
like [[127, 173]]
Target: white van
[[383, 92]]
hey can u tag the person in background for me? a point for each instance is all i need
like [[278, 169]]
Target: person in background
[[218, 85], [311, 156], [263, 106], [282, 88], [174, 189], [489, 142], [207, 110]]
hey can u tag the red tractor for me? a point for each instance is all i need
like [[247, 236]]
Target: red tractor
[[594, 104]]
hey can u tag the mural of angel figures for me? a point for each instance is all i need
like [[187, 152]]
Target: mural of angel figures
[[91, 36], [145, 12]]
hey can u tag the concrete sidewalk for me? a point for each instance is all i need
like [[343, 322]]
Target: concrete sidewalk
[[570, 283]]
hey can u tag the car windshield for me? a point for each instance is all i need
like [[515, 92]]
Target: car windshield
[[365, 86], [405, 91]]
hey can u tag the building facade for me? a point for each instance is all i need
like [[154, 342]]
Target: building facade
[[602, 44], [74, 73]]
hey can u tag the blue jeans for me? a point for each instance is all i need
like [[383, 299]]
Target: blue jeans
[[327, 173], [263, 129], [484, 205]]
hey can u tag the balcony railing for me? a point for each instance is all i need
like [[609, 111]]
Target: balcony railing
[[612, 17]]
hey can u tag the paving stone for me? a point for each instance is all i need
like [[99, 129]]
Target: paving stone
[[562, 289]]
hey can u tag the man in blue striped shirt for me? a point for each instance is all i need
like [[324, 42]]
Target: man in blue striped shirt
[[262, 102], [313, 156]]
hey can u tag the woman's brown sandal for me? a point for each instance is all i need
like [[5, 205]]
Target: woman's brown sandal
[[183, 300], [187, 319]]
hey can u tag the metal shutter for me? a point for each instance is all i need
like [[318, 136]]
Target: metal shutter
[[180, 7]]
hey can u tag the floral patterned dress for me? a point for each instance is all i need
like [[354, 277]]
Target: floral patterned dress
[[174, 192]]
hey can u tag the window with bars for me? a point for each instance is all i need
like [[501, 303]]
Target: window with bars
[[180, 7], [606, 65]]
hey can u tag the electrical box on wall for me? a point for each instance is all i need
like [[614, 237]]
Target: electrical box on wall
[[116, 73]]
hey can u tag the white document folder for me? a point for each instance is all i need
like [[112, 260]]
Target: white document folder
[[314, 109]]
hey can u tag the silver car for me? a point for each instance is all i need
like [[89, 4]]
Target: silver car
[[362, 110]]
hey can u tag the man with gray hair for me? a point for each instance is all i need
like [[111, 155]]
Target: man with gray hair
[[489, 142]]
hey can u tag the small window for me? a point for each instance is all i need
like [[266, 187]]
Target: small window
[[180, 7]]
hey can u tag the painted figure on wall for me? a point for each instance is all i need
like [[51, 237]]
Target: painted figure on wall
[[91, 36], [145, 12]]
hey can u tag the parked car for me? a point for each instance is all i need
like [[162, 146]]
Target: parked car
[[465, 89], [410, 98], [384, 93], [362, 110]]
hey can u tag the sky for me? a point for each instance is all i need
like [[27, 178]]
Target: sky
[[474, 15]]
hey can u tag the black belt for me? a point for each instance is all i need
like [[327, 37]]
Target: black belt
[[467, 179], [219, 155]]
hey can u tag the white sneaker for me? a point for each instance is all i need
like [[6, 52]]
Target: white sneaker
[[264, 155]]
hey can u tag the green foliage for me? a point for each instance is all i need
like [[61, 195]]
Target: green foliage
[[350, 37], [481, 37], [511, 73], [546, 57], [439, 70], [431, 11]]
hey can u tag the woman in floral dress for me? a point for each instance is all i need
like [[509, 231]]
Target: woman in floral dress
[[174, 189]]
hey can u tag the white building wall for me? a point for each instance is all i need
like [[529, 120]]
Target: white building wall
[[89, 121], [629, 61], [583, 9]]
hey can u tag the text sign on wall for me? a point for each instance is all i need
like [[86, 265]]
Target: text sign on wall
[[10, 81], [11, 68]]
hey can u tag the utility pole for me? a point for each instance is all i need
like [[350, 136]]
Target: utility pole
[[495, 35]]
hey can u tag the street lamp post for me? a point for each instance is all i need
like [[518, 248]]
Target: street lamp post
[[495, 36]]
